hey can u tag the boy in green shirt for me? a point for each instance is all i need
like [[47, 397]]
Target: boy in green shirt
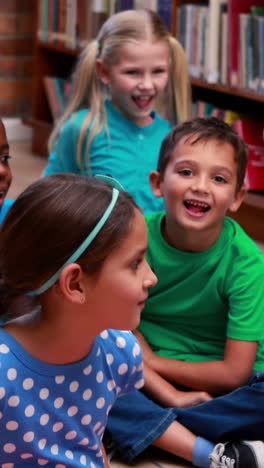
[[202, 327]]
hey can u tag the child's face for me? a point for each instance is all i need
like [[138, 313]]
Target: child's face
[[118, 293], [5, 171], [138, 79], [199, 186]]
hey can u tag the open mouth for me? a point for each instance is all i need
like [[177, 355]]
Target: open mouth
[[196, 207], [142, 101]]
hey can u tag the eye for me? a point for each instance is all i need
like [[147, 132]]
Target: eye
[[4, 158], [220, 179], [136, 264], [132, 72], [159, 70], [186, 172]]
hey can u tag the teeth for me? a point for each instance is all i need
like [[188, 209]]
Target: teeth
[[143, 98], [203, 205]]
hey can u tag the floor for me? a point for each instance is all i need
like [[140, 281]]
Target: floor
[[26, 168]]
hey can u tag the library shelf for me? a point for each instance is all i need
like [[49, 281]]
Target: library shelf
[[57, 60]]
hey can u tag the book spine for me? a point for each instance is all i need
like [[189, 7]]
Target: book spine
[[235, 7], [99, 15], [71, 22], [45, 12], [61, 29], [213, 60], [261, 53], [165, 11], [52, 97]]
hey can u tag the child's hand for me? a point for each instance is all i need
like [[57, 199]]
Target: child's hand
[[192, 398]]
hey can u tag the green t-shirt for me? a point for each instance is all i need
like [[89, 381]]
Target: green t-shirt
[[203, 298]]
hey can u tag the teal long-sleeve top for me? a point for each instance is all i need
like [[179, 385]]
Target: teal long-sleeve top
[[129, 154]]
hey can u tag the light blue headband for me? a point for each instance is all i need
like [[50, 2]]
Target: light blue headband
[[88, 239]]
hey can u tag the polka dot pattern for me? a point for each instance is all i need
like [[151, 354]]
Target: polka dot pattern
[[56, 415]]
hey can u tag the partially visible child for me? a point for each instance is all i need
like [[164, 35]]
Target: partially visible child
[[202, 326], [110, 125], [5, 173], [75, 247]]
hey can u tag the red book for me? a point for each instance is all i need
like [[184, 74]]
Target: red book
[[52, 96], [251, 130], [235, 7]]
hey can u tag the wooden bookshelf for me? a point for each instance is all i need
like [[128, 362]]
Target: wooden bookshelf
[[57, 60]]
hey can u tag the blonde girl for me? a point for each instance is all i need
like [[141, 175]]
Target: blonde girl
[[110, 126]]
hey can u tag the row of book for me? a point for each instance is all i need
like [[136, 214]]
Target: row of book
[[250, 129], [252, 132], [72, 23], [224, 41], [57, 92]]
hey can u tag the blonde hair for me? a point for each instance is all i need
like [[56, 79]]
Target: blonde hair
[[89, 92]]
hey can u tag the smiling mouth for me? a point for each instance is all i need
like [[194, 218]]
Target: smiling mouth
[[197, 206], [142, 101]]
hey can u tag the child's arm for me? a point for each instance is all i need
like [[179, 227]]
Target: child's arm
[[105, 457], [163, 392], [210, 376]]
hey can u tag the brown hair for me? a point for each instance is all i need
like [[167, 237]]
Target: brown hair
[[49, 221], [205, 129]]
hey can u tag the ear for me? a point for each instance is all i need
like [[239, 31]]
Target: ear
[[156, 184], [102, 72], [71, 283], [239, 197]]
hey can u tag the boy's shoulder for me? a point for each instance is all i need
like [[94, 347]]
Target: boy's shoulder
[[241, 242]]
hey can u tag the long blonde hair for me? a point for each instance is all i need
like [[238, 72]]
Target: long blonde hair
[[89, 92]]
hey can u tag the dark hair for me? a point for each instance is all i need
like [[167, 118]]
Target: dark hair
[[49, 221], [205, 129]]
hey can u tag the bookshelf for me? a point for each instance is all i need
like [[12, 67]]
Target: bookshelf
[[51, 58]]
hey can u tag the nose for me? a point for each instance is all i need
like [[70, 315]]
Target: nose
[[150, 278], [146, 82], [200, 184], [4, 170]]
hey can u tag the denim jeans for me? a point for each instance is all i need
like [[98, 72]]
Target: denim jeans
[[136, 421]]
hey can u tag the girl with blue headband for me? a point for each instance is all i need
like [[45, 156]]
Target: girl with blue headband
[[73, 273]]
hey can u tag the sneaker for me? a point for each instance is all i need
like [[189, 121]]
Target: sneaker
[[244, 454]]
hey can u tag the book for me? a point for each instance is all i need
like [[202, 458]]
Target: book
[[125, 5], [99, 14], [39, 20], [60, 34], [57, 92], [235, 7], [165, 12], [224, 48], [71, 22], [45, 13], [261, 53], [150, 4], [251, 130], [84, 26], [52, 97], [257, 45], [214, 39], [242, 57]]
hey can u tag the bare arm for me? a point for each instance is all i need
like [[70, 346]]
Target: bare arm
[[210, 376], [163, 392], [105, 457]]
